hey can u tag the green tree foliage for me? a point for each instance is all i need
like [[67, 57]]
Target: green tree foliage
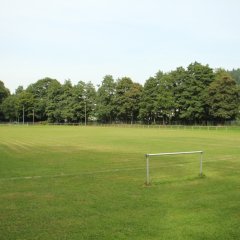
[[79, 104], [235, 73], [105, 100], [223, 97], [90, 101], [149, 101], [53, 110], [4, 93], [68, 103], [25, 105], [19, 90], [84, 102], [10, 108], [127, 98], [134, 96], [40, 93], [195, 95], [165, 104], [178, 78], [19, 106]]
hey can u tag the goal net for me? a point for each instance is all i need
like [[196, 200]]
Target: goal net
[[150, 155]]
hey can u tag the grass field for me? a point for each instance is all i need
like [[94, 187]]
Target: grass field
[[59, 182]]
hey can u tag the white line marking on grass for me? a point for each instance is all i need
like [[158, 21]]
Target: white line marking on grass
[[69, 175], [95, 172]]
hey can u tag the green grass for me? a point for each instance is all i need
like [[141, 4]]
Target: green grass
[[88, 183]]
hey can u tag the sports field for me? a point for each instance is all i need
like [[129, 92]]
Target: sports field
[[65, 182]]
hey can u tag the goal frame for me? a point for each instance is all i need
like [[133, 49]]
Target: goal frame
[[148, 155]]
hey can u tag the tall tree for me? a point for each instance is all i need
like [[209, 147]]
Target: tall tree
[[53, 110], [19, 90], [25, 105], [194, 92], [79, 105], [235, 73], [105, 100], [66, 102], [178, 80], [127, 99], [134, 96], [149, 102], [4, 93], [165, 104], [84, 102], [223, 97], [90, 93], [10, 108], [40, 93]]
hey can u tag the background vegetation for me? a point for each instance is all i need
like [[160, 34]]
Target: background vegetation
[[196, 95]]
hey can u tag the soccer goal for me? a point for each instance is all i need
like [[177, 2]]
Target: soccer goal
[[171, 153]]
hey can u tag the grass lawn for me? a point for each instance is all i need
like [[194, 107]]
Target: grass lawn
[[64, 182]]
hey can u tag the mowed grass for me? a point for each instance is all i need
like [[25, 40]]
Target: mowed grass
[[88, 183]]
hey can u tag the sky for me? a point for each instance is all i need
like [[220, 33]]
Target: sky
[[86, 40]]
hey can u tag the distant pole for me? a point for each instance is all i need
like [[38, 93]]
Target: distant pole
[[23, 115]]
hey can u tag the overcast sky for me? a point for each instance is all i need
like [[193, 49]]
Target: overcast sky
[[86, 40]]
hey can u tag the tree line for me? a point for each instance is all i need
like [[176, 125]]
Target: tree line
[[195, 95]]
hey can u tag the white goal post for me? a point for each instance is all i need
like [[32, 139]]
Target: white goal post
[[172, 153]]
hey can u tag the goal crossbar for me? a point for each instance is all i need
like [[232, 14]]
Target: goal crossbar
[[170, 153]]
